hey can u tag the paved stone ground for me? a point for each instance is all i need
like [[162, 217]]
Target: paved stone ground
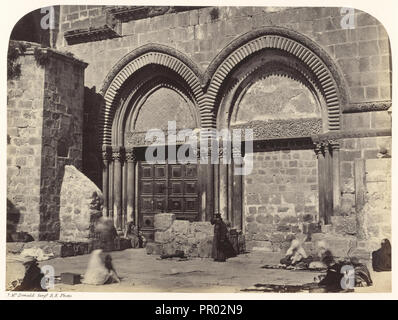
[[147, 273]]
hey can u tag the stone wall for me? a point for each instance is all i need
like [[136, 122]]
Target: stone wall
[[62, 136], [357, 148], [44, 134], [377, 210], [194, 238], [280, 197], [362, 53], [24, 148], [80, 206]]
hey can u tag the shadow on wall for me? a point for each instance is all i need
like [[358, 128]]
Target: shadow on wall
[[51, 181], [13, 219], [91, 146]]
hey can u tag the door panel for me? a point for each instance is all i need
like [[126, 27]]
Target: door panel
[[166, 188]]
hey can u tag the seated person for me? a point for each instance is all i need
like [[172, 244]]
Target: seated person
[[381, 258], [100, 270], [294, 254], [133, 234]]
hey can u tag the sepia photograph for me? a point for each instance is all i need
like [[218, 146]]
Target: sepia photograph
[[198, 149]]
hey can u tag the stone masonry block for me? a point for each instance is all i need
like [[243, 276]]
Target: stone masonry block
[[163, 221]]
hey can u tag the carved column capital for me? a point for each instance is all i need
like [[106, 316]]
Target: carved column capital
[[131, 155], [319, 148], [106, 153], [118, 154], [334, 144], [237, 155]]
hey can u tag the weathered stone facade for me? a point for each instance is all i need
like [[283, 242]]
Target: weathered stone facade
[[281, 196], [315, 94], [80, 206], [44, 134]]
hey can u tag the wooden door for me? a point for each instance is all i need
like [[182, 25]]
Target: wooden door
[[166, 188]]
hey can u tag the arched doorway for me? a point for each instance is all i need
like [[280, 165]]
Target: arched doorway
[[149, 91], [286, 94]]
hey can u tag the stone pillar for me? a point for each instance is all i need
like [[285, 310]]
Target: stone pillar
[[328, 184], [321, 181], [202, 185], [131, 163], [237, 207], [335, 145], [117, 206], [124, 194], [223, 177], [106, 157], [210, 189], [217, 184]]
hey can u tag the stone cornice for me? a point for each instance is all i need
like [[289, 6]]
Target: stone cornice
[[130, 13], [337, 135], [31, 47], [90, 34], [367, 106]]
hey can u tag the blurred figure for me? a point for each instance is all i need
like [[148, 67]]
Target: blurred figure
[[381, 258], [294, 254], [32, 280], [106, 233], [100, 269]]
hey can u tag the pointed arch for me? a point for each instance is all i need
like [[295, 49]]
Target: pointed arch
[[327, 74], [135, 61]]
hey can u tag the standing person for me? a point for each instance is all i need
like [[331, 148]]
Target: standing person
[[222, 248]]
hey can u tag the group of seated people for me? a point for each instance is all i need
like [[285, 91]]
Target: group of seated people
[[336, 270]]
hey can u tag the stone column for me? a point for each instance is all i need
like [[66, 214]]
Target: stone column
[[328, 184], [321, 180], [131, 162], [335, 145], [216, 180], [223, 176], [106, 157], [237, 208], [117, 155], [210, 188]]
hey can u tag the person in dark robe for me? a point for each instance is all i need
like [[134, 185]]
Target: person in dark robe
[[222, 248], [32, 280], [332, 281], [381, 258]]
